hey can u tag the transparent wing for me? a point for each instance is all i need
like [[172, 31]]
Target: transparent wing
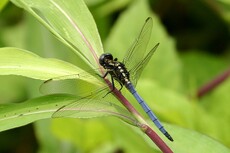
[[91, 102], [78, 84], [91, 107], [137, 51], [80, 103], [136, 71], [86, 93]]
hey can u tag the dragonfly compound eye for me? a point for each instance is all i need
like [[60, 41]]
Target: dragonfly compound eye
[[105, 56]]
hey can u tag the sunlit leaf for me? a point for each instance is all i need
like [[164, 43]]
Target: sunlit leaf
[[189, 141], [14, 61], [217, 105], [3, 4], [71, 22], [192, 142], [16, 115]]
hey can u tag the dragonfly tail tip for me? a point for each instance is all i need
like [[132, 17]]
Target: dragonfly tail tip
[[169, 136]]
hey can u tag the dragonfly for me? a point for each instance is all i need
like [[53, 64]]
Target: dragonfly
[[125, 73]]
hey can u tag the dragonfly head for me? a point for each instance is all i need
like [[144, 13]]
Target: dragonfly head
[[104, 58]]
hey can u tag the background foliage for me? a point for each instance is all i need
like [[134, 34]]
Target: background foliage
[[194, 48]]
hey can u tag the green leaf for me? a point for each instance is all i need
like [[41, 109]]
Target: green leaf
[[107, 134], [15, 61], [224, 8], [110, 7], [16, 115], [195, 62], [192, 142], [12, 89], [3, 4], [71, 22], [86, 135], [185, 140], [217, 106], [189, 141], [175, 108], [46, 139]]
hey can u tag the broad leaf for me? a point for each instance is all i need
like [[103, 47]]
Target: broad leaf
[[3, 4], [15, 61], [192, 142], [16, 115], [71, 22]]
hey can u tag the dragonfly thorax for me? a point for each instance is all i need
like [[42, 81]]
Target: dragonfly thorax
[[116, 69]]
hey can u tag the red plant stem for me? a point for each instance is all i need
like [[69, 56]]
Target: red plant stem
[[145, 128], [158, 141], [213, 84]]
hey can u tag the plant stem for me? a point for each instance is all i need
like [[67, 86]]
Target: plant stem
[[213, 84], [143, 124], [158, 141]]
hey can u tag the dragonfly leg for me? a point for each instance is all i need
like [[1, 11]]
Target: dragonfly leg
[[120, 85], [113, 87], [96, 74], [107, 72]]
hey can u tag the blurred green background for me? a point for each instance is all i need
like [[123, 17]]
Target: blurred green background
[[197, 33]]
